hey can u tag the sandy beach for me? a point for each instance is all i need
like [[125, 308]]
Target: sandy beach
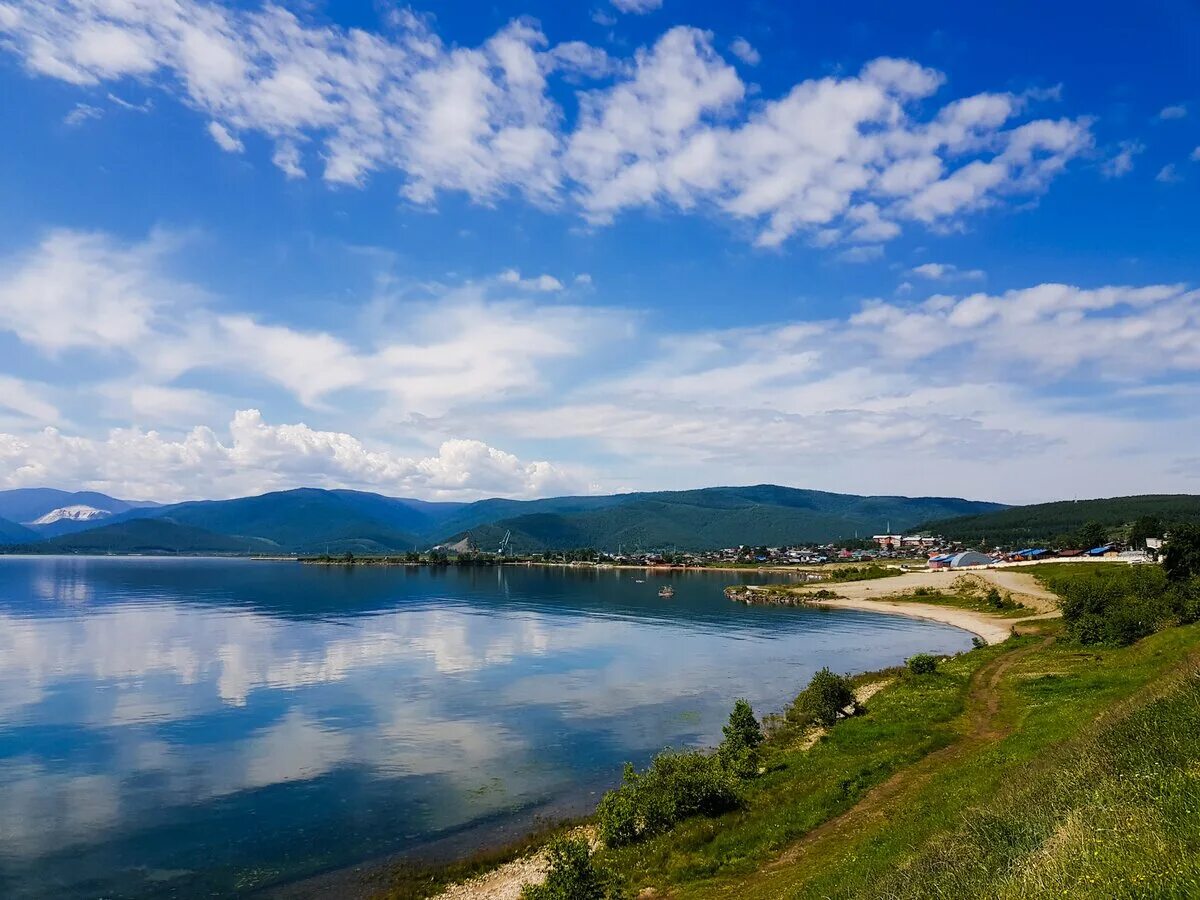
[[873, 596]]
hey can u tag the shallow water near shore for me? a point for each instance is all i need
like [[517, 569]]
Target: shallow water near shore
[[194, 727]]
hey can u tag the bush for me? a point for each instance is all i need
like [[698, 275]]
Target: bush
[[1124, 605], [676, 786], [821, 702], [571, 876], [922, 664]]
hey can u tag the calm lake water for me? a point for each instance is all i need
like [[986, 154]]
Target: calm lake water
[[187, 727]]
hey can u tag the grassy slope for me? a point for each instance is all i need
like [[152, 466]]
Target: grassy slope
[[1029, 769]]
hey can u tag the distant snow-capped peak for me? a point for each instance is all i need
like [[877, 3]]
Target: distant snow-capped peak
[[78, 513]]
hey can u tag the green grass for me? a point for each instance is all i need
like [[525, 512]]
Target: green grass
[[966, 592], [803, 788], [1097, 778]]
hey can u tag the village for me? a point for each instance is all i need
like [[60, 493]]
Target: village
[[907, 550]]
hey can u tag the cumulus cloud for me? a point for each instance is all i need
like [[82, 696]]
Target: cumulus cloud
[[259, 456], [671, 126], [674, 133], [1175, 111]]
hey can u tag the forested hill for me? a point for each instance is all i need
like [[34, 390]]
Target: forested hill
[[713, 517], [1060, 521], [314, 521]]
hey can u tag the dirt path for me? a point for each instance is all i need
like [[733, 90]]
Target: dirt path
[[983, 725]]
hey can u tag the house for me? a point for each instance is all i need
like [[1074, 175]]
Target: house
[[970, 558], [940, 562], [1030, 553]]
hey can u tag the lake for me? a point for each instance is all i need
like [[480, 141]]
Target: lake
[[191, 727]]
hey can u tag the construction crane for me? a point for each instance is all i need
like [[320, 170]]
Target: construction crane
[[504, 543]]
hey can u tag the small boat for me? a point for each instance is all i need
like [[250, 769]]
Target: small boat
[[639, 581], [666, 591]]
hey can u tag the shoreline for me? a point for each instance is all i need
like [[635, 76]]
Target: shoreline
[[362, 879], [874, 596], [990, 629]]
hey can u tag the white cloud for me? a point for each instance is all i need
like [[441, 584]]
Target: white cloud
[[809, 161], [26, 400], [744, 50], [81, 113], [637, 7], [1122, 162], [542, 283], [226, 141], [1168, 174], [1175, 111], [863, 254], [1195, 157], [672, 126], [79, 289], [946, 272], [259, 456], [90, 293]]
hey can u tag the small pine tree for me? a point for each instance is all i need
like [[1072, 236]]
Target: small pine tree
[[743, 728], [739, 751]]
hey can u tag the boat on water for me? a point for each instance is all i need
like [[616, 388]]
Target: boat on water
[[666, 591]]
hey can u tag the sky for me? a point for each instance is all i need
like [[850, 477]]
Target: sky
[[479, 249]]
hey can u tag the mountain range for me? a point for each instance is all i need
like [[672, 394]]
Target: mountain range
[[310, 520]]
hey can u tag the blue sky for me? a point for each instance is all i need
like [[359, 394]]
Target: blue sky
[[468, 249]]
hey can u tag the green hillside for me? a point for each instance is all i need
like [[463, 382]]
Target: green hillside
[[1045, 522], [151, 536], [302, 521], [716, 517], [12, 533]]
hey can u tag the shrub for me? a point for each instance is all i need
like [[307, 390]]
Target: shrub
[[820, 703], [922, 664], [1122, 606], [572, 874], [676, 786], [1182, 560]]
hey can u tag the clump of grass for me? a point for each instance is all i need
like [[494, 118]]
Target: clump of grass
[[922, 664], [822, 701]]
